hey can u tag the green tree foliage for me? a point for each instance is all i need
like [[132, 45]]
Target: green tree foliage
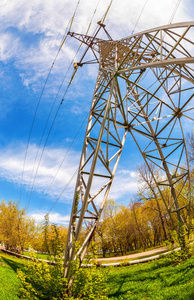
[[89, 283]]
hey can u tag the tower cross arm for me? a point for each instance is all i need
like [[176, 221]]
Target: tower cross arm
[[90, 41]]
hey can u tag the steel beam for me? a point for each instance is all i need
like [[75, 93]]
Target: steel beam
[[144, 87]]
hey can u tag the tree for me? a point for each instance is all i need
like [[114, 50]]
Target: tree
[[125, 229], [26, 232], [190, 146], [103, 239], [16, 229], [148, 191], [50, 237]]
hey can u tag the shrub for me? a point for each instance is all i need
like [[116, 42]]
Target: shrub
[[42, 281], [88, 282], [176, 257], [38, 280]]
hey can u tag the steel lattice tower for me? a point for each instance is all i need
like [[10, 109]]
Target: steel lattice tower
[[144, 88]]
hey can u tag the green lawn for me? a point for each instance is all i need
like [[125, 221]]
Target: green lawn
[[8, 279], [154, 280], [38, 255]]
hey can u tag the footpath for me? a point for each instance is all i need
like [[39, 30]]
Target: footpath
[[135, 255], [115, 261]]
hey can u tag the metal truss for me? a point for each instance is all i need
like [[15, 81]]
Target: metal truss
[[144, 88]]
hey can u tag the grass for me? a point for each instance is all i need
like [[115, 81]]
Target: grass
[[9, 282], [157, 280], [44, 256]]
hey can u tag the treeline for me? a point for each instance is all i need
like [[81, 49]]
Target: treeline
[[138, 226], [19, 231], [144, 223]]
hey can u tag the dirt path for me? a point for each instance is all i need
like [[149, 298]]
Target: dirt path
[[135, 255]]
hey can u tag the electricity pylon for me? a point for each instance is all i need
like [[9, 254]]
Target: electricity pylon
[[145, 88]]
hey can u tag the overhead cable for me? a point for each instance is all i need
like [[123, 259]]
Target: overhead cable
[[108, 8], [62, 161], [70, 25], [102, 20], [139, 16], [45, 83], [72, 77], [174, 12]]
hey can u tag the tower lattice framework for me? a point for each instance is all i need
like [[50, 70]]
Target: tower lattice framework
[[144, 89]]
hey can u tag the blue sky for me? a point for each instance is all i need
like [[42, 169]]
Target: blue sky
[[30, 35]]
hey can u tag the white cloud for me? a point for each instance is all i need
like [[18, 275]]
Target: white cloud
[[34, 54], [36, 16], [124, 185], [123, 17], [9, 45], [53, 218], [30, 34], [12, 163]]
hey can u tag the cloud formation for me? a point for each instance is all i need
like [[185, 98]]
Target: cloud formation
[[31, 32], [12, 165], [30, 36], [53, 218], [124, 185]]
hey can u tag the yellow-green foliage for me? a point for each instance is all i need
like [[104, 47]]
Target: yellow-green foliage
[[88, 283], [16, 229], [42, 281]]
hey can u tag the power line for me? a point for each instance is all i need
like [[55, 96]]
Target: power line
[[174, 12], [87, 31], [70, 26], [66, 186], [51, 127], [72, 77], [45, 129], [106, 13], [139, 16], [40, 97], [63, 161], [47, 141], [32, 125]]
